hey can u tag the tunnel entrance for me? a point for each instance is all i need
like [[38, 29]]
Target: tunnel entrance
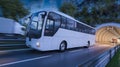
[[108, 33]]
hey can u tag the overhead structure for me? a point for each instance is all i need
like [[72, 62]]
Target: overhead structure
[[108, 33]]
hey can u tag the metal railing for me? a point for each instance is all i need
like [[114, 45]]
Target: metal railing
[[101, 60], [11, 44]]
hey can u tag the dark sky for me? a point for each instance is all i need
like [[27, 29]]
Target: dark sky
[[36, 5]]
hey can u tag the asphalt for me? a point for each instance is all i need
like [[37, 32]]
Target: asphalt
[[33, 58]]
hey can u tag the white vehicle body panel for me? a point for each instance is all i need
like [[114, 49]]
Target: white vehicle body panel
[[73, 39], [9, 26]]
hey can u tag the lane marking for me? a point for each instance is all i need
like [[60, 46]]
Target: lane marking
[[16, 50], [6, 64]]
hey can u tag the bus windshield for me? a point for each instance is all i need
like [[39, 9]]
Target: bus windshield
[[34, 28]]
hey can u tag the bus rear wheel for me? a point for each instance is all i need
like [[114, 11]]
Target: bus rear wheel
[[63, 46], [88, 45]]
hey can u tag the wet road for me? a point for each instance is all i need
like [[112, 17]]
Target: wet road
[[69, 58]]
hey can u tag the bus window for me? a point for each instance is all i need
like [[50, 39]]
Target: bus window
[[63, 24], [92, 31], [75, 25], [53, 23], [79, 27], [34, 25], [57, 19], [70, 24], [49, 28]]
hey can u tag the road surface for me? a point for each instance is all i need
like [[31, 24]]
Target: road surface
[[69, 58]]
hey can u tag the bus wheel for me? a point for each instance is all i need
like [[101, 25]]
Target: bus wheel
[[88, 44], [63, 46]]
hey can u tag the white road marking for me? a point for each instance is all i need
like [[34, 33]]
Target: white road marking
[[16, 50], [24, 60]]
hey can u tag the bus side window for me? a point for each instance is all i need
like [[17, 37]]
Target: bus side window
[[53, 24], [49, 28], [63, 23], [79, 27], [93, 31], [70, 24], [57, 19], [75, 25]]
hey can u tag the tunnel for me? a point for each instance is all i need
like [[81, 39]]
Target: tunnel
[[108, 33]]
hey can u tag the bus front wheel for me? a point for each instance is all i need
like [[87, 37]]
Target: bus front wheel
[[63, 46]]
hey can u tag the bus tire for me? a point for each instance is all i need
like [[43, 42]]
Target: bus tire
[[63, 46], [88, 44]]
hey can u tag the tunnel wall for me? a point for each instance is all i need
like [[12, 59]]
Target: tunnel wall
[[108, 33]]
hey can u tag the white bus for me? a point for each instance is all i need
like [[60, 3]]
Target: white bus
[[53, 30]]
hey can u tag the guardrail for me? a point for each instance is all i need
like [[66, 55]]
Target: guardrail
[[7, 41], [10, 44], [101, 60], [12, 39]]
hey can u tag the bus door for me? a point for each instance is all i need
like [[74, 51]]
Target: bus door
[[51, 27], [48, 32]]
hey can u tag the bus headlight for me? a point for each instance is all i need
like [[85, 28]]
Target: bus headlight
[[38, 44]]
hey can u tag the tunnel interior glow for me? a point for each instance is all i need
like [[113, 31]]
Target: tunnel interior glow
[[108, 33]]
